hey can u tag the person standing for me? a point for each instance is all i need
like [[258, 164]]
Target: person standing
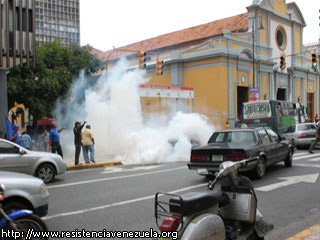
[[17, 137], [227, 126], [238, 123], [314, 143], [54, 139], [77, 140], [45, 140], [88, 144], [26, 141]]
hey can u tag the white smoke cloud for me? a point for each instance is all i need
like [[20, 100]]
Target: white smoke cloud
[[112, 108]]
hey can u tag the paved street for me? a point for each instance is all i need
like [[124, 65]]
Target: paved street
[[122, 197]]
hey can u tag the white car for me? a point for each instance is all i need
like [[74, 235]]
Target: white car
[[302, 134], [44, 165], [24, 192]]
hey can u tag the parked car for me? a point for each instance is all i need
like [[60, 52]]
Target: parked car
[[40, 164], [301, 134], [24, 192], [239, 144]]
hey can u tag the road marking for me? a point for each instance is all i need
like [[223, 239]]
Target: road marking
[[299, 154], [310, 178], [122, 169], [114, 178], [306, 156], [307, 165], [314, 160], [308, 234], [120, 203]]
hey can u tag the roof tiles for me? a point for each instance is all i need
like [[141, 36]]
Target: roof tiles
[[204, 31]]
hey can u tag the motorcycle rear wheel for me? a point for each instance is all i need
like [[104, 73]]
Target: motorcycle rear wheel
[[24, 223]]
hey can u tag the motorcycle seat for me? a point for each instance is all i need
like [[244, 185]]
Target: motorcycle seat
[[194, 202]]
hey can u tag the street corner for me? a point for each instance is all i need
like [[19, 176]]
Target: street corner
[[93, 165], [312, 233]]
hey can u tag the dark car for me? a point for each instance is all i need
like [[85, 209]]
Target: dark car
[[239, 144]]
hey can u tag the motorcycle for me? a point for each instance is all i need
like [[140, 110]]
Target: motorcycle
[[228, 210], [19, 224]]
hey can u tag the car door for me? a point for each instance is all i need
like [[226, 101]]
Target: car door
[[281, 147], [268, 145], [11, 159]]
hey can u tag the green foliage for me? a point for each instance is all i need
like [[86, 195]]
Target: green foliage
[[56, 66]]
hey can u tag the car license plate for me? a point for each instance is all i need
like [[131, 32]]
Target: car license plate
[[202, 171], [256, 121], [217, 158]]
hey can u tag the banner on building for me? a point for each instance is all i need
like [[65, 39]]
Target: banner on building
[[254, 94], [159, 91]]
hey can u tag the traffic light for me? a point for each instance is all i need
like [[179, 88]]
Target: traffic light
[[282, 62], [159, 67], [142, 59], [314, 60]]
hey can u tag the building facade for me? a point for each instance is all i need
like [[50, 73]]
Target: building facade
[[220, 62], [17, 44], [57, 19]]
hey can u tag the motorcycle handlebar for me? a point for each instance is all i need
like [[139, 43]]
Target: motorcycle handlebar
[[243, 163], [248, 160]]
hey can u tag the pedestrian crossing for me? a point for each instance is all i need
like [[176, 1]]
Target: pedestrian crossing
[[305, 159]]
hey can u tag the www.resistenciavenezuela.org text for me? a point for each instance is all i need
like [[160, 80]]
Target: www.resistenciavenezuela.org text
[[104, 234]]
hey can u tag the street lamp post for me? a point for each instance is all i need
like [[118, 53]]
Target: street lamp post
[[253, 57]]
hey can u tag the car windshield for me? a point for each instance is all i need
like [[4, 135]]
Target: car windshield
[[236, 138], [306, 127]]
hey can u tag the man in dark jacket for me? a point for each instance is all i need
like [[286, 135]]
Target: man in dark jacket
[[314, 143], [77, 140]]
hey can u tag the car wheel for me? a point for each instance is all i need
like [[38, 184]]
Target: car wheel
[[46, 172], [288, 161], [10, 207], [260, 169]]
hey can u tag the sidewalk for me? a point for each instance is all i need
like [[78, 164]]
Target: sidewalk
[[100, 162]]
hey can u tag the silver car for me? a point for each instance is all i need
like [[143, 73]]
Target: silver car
[[40, 164], [24, 192], [301, 134]]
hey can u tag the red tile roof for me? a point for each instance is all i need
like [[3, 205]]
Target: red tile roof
[[201, 32]]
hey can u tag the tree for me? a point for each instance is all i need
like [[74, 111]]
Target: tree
[[56, 66]]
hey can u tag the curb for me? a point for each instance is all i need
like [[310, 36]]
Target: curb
[[93, 165]]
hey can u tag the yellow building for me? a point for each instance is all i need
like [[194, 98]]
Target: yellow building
[[219, 62]]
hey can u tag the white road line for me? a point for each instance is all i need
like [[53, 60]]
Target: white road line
[[300, 153], [307, 156], [114, 178], [119, 203], [307, 165], [122, 169], [314, 160]]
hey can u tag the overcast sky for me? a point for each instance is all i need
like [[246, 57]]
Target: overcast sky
[[108, 23]]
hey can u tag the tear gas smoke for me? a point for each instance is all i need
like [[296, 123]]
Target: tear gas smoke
[[112, 108]]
